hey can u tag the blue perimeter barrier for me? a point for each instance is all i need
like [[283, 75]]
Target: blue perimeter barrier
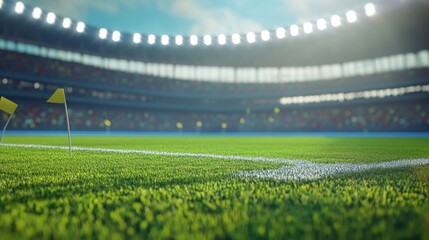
[[220, 134]]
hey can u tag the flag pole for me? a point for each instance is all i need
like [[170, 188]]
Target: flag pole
[[68, 127], [5, 126]]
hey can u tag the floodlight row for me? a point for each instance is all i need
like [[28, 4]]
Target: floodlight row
[[221, 39], [349, 96], [50, 17]]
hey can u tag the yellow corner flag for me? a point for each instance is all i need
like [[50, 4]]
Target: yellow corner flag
[[7, 106], [58, 96]]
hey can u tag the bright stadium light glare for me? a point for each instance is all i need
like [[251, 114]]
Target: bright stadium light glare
[[235, 38], [207, 40], [179, 40], [19, 7], [335, 21], [102, 33], [193, 40], [370, 9], [280, 33], [251, 37], [67, 23], [165, 40], [50, 18], [80, 27], [37, 13], [308, 27], [1, 4], [116, 36], [294, 30], [137, 38], [321, 24], [265, 35], [151, 39], [221, 39], [351, 16]]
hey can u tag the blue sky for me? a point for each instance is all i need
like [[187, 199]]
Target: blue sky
[[194, 16]]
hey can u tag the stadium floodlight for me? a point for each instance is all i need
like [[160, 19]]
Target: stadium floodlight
[[1, 4], [221, 39], [235, 38], [165, 40], [251, 37], [80, 27], [370, 9], [193, 40], [67, 23], [102, 33], [265, 35], [179, 40], [207, 40], [321, 24], [308, 27], [335, 21], [50, 18], [280, 33], [351, 16], [37, 13], [19, 7], [294, 30], [137, 38], [151, 39], [116, 36]]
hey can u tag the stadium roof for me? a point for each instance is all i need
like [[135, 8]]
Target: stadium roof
[[188, 17], [394, 30]]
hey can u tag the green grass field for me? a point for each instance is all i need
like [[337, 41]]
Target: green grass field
[[46, 194]]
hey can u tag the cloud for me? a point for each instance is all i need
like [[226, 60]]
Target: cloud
[[312, 9], [80, 8], [210, 20], [224, 21], [202, 16]]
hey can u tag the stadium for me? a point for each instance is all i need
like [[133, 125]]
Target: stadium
[[313, 130]]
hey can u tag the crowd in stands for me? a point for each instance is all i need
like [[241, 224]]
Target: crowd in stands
[[45, 67], [29, 87], [402, 116], [370, 116], [15, 62]]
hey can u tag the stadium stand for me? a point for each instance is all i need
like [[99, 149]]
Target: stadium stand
[[399, 117], [359, 77]]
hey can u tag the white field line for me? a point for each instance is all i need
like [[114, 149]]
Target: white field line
[[300, 169], [305, 171]]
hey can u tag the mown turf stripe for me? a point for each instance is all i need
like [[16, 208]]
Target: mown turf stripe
[[300, 169], [162, 153]]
